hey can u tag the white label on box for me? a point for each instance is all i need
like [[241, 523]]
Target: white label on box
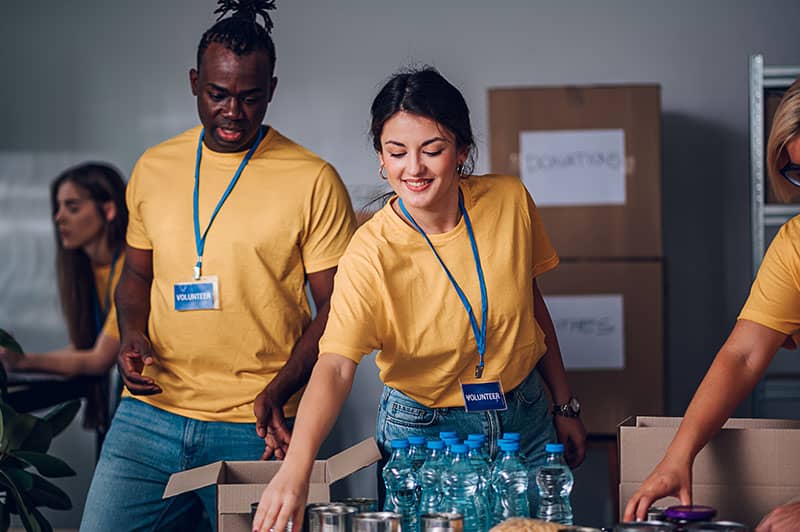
[[568, 168], [590, 330]]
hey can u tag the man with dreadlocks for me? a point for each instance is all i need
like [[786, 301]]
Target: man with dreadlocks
[[227, 222]]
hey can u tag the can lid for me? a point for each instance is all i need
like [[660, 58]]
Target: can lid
[[690, 512]]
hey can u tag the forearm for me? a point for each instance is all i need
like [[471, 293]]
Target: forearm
[[295, 373], [322, 401], [734, 373], [70, 361], [132, 299], [551, 365]]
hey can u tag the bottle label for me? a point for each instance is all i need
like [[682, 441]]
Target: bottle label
[[484, 395]]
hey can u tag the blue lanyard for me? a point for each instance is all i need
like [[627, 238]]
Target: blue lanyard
[[99, 314], [480, 334], [200, 240]]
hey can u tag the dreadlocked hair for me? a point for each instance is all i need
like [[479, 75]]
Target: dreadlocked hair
[[240, 32]]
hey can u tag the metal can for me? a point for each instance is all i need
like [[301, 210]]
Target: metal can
[[692, 513], [361, 504], [254, 507], [655, 513], [376, 522], [442, 522], [717, 526], [331, 518], [645, 526]]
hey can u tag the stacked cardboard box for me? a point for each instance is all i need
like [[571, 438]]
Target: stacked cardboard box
[[606, 229]]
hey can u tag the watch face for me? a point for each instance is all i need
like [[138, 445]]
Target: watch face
[[574, 405]]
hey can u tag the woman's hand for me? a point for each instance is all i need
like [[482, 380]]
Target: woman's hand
[[668, 478], [572, 434], [782, 519], [283, 501], [10, 358]]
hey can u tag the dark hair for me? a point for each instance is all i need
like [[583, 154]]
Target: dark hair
[[241, 33], [76, 286], [424, 91]]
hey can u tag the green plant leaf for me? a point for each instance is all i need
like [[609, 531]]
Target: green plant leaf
[[47, 465], [62, 415], [44, 524], [16, 427], [39, 437], [28, 521], [22, 480], [8, 341], [45, 493]]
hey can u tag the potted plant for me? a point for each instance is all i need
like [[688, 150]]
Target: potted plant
[[24, 462]]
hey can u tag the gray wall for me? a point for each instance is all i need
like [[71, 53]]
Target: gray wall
[[110, 79]]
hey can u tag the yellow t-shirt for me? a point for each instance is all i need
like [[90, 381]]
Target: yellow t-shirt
[[391, 294], [288, 215], [774, 299], [102, 286]]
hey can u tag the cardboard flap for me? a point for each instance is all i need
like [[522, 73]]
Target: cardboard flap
[[351, 460], [192, 479]]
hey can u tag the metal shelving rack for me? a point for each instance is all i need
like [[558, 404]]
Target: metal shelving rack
[[762, 215], [779, 391]]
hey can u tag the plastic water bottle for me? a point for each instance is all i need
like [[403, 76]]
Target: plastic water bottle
[[509, 484], [481, 465], [416, 452], [554, 481], [402, 495], [447, 434], [460, 484], [449, 441], [430, 478]]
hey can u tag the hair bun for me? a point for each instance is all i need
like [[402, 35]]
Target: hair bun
[[247, 9]]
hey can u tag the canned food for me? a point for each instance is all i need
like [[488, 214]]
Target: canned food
[[361, 504], [331, 518], [254, 507], [655, 513], [442, 522], [645, 526], [376, 522], [717, 526]]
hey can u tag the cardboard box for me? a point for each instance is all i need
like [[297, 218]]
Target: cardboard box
[[240, 483], [632, 229], [747, 469], [610, 396]]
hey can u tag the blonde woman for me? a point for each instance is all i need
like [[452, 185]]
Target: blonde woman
[[770, 319]]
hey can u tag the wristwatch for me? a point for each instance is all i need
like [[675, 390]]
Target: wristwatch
[[571, 408]]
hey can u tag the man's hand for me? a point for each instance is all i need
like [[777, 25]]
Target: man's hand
[[271, 424], [572, 434], [135, 353], [782, 519]]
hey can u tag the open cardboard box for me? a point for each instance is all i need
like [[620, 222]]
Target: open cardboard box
[[240, 483], [747, 469]]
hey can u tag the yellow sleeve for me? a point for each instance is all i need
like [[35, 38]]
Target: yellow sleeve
[[351, 330], [136, 235], [329, 222], [544, 254], [774, 299]]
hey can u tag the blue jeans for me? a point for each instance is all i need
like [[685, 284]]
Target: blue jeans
[[528, 413], [144, 446]]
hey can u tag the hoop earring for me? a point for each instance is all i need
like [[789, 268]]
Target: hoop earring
[[460, 170], [382, 172]]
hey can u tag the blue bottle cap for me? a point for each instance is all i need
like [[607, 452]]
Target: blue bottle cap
[[473, 444], [554, 448], [416, 440], [400, 444], [435, 444], [477, 437], [450, 441], [448, 434], [511, 436], [458, 448], [506, 445]]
